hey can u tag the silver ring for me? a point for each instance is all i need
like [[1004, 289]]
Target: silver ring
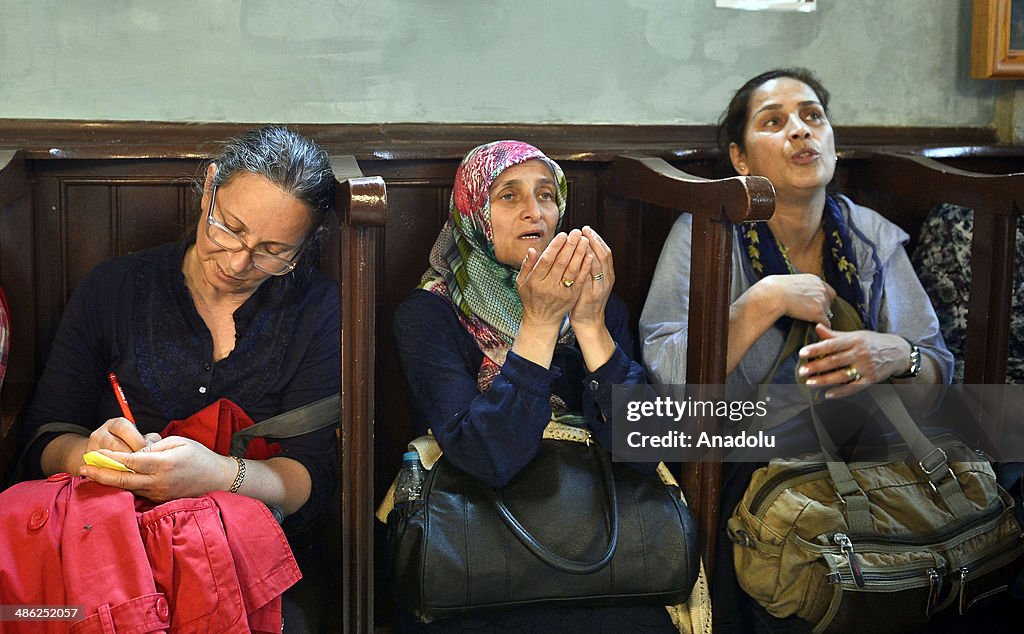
[[852, 373], [567, 283], [829, 314], [598, 277]]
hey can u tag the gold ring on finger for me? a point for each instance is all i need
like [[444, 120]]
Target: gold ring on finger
[[567, 283], [852, 373], [598, 277]]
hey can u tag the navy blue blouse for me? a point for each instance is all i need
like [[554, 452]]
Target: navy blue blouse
[[493, 435], [134, 316]]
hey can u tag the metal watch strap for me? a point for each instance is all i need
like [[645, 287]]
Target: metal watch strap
[[915, 362]]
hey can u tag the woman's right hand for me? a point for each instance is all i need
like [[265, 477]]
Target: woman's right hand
[[119, 434], [800, 296], [546, 300], [64, 453]]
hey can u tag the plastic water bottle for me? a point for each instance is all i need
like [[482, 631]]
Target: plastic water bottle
[[410, 480]]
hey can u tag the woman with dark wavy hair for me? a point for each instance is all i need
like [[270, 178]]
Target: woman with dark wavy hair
[[817, 247]]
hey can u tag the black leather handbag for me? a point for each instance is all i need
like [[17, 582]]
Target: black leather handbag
[[570, 529]]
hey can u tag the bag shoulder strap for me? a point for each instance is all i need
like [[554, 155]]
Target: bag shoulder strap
[[301, 420]]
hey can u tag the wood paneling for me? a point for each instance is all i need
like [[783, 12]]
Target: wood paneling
[[61, 216], [88, 211]]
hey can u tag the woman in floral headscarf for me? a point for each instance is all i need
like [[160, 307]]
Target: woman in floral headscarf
[[514, 322]]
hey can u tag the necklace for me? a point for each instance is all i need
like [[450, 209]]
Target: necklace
[[818, 247]]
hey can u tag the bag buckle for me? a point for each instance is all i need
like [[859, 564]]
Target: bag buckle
[[943, 461], [938, 465]]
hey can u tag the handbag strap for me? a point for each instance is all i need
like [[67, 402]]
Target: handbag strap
[[295, 422], [931, 460], [544, 553]]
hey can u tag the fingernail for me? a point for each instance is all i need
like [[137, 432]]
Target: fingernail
[[803, 371], [812, 381]]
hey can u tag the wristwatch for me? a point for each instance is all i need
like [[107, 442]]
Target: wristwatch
[[915, 363]]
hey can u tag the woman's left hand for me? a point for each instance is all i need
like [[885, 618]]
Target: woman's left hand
[[172, 468], [598, 275], [851, 360]]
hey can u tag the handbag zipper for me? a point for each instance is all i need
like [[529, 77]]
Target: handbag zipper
[[847, 546], [934, 586], [862, 579], [962, 530], [893, 577], [983, 566]]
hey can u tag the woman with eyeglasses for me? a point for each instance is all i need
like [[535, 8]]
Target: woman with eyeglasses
[[235, 311]]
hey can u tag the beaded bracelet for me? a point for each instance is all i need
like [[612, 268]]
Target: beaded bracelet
[[239, 476]]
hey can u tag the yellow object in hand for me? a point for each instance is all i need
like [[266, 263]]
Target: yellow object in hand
[[97, 459]]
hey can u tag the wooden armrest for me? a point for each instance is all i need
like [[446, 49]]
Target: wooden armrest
[[987, 194], [653, 180], [362, 200], [716, 205]]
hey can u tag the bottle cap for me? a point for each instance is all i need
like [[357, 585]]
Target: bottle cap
[[410, 455]]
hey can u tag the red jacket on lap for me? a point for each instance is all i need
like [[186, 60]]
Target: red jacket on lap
[[216, 563]]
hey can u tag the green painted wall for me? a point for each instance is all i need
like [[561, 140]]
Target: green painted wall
[[887, 62]]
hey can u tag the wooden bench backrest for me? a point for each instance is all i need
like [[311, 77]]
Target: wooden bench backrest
[[716, 206], [58, 218], [904, 188]]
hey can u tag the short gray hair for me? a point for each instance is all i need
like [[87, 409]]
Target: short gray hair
[[291, 161]]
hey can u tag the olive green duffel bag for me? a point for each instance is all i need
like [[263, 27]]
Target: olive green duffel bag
[[876, 547]]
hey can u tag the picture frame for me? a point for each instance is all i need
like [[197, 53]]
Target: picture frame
[[997, 39]]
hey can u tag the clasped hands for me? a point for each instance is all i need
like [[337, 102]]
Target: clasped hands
[[845, 362], [574, 274]]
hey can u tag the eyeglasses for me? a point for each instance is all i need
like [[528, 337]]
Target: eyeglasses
[[227, 239]]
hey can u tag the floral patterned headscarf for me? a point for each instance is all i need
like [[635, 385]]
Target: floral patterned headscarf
[[463, 267]]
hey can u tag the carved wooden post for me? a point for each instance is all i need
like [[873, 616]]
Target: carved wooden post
[[362, 206], [716, 205]]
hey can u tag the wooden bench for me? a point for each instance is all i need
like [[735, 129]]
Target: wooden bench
[[716, 206], [48, 204], [362, 210]]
